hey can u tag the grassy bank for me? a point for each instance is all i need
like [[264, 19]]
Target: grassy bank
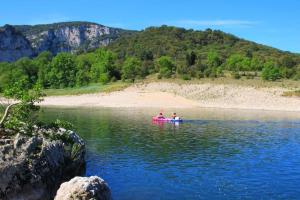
[[243, 81], [292, 85], [295, 93], [92, 88]]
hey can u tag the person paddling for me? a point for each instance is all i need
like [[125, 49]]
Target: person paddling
[[174, 115], [160, 116]]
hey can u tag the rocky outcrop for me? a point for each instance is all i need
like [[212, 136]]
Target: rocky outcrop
[[34, 164], [29, 41], [70, 38], [13, 44], [84, 188]]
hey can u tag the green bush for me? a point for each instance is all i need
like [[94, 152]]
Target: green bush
[[236, 75], [64, 124], [104, 78], [270, 72], [131, 68], [186, 77], [165, 72], [297, 76], [165, 66]]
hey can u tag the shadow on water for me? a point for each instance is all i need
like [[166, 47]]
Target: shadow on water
[[205, 157]]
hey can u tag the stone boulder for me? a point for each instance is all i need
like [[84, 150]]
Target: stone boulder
[[34, 164], [84, 188]]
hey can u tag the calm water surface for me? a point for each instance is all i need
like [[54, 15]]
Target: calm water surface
[[216, 154]]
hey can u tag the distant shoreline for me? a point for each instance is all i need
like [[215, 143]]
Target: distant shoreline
[[172, 95]]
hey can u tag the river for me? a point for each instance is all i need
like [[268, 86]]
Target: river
[[214, 154]]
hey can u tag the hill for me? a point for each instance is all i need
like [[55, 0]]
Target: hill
[[168, 52], [174, 41], [202, 48]]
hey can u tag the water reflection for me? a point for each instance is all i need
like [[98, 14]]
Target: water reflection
[[161, 124]]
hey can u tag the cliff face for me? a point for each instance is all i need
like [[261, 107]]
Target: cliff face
[[29, 41], [13, 44]]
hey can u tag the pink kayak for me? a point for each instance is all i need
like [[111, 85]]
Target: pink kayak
[[166, 119]]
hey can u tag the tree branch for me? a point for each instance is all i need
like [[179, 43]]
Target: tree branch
[[5, 115]]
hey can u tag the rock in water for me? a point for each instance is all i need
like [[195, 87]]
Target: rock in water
[[84, 188], [33, 165]]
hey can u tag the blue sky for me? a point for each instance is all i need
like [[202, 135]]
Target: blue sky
[[271, 22]]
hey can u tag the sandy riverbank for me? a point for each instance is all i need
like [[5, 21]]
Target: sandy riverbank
[[170, 95]]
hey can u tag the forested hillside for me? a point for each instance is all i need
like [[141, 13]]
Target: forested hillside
[[206, 53], [166, 51]]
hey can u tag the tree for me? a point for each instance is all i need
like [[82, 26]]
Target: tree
[[182, 68], [287, 61], [246, 64], [62, 71], [83, 65], [130, 68], [256, 64], [19, 114], [191, 58], [297, 74], [270, 71], [234, 62], [165, 66], [5, 71], [42, 61], [213, 59], [27, 68], [287, 72], [104, 66], [146, 55]]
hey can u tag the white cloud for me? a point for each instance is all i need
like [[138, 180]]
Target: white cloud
[[240, 23]]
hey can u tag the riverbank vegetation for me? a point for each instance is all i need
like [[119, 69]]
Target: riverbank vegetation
[[19, 112], [89, 89], [168, 52], [295, 93]]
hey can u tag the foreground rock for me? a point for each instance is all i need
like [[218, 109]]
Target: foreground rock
[[84, 188], [34, 164]]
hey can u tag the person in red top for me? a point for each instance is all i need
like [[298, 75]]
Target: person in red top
[[160, 116]]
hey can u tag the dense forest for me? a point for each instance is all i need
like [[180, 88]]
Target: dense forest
[[166, 51]]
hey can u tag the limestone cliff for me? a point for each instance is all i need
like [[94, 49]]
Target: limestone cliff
[[25, 40], [13, 44]]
